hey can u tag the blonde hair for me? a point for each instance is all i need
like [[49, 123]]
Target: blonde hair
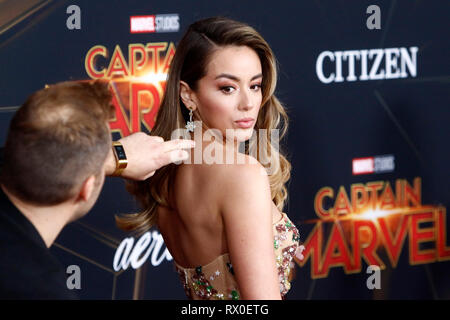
[[189, 64]]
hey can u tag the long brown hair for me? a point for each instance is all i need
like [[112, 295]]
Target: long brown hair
[[189, 64]]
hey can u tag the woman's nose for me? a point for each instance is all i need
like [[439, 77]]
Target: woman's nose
[[246, 102]]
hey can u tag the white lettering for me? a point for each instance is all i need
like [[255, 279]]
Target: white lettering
[[411, 61], [373, 75], [350, 55], [319, 67], [349, 64], [198, 310], [148, 243]]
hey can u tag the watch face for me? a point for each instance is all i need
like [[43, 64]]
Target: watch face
[[120, 152]]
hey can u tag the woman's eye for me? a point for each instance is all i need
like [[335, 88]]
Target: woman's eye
[[256, 87], [227, 89]]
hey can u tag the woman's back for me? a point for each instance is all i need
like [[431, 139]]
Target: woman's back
[[195, 232]]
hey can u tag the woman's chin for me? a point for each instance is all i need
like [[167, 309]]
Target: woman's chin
[[242, 135]]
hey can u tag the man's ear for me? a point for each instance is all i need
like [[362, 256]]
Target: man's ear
[[187, 95], [87, 188]]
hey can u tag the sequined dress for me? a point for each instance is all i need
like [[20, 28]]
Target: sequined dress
[[216, 280]]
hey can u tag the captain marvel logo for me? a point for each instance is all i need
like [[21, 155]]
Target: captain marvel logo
[[372, 222], [137, 83]]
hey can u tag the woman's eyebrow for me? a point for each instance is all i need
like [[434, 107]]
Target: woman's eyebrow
[[230, 76]]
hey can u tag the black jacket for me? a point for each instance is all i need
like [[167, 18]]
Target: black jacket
[[27, 269]]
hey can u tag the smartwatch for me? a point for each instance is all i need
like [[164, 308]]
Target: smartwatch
[[121, 158]]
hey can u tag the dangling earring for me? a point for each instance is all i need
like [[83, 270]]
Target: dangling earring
[[190, 124]]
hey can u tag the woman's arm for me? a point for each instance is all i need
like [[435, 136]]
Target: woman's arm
[[246, 206]]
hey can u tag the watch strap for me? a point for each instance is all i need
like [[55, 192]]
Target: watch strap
[[121, 158]]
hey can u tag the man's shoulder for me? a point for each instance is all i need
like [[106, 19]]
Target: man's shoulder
[[27, 268], [18, 283], [30, 272]]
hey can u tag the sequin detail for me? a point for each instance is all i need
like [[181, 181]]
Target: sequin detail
[[285, 256], [216, 280]]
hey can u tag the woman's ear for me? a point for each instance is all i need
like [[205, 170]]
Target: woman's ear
[[187, 95]]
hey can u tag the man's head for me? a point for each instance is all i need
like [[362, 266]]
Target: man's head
[[57, 145]]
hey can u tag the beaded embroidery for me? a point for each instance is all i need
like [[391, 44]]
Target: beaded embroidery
[[201, 284], [201, 287]]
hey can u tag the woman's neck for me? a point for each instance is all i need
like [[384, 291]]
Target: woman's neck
[[211, 146]]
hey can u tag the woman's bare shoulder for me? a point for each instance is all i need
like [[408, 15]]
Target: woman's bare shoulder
[[247, 168], [237, 182]]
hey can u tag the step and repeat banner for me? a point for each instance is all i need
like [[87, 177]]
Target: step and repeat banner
[[366, 85]]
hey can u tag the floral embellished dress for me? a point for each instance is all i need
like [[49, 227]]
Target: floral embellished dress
[[216, 279]]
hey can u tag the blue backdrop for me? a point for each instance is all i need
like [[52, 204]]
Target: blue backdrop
[[405, 118]]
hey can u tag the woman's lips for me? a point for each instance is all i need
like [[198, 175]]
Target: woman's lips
[[245, 123]]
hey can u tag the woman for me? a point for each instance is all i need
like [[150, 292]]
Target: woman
[[222, 220]]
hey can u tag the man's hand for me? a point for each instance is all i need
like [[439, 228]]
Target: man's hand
[[146, 154]]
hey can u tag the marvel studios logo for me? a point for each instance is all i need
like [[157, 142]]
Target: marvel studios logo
[[376, 164], [155, 23]]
